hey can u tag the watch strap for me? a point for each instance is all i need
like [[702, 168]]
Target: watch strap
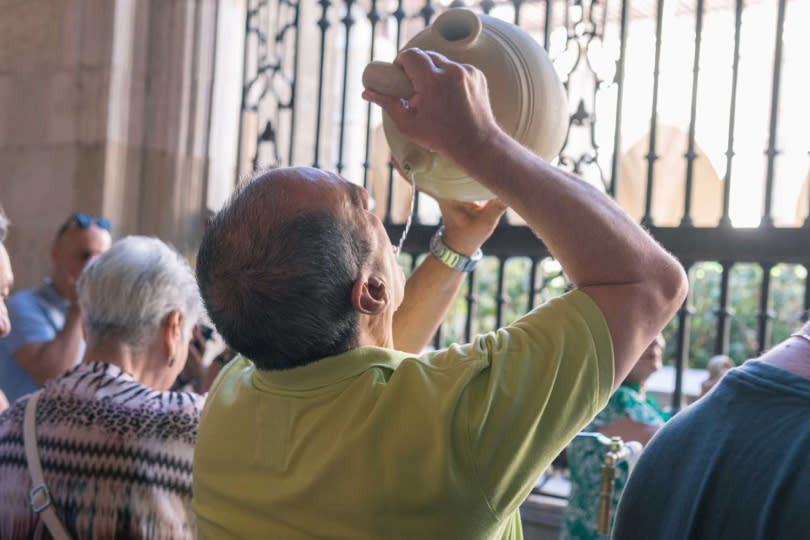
[[451, 258]]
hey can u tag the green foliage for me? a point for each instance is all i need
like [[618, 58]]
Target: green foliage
[[785, 309], [786, 304]]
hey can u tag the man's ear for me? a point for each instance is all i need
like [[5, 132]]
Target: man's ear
[[172, 331], [370, 294]]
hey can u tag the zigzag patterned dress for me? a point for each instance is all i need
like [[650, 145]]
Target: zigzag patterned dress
[[116, 456]]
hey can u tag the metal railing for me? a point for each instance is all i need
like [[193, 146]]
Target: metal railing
[[299, 107]]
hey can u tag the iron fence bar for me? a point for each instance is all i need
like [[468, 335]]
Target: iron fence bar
[[532, 284], [723, 312], [725, 220], [567, 18], [775, 245], [772, 152], [806, 313], [592, 158], [280, 32], [294, 82], [619, 79], [690, 156], [262, 67], [682, 344], [500, 300], [323, 24], [241, 126], [399, 15], [426, 13], [348, 22], [764, 316], [472, 301], [517, 5], [547, 26], [373, 18], [807, 219], [651, 156]]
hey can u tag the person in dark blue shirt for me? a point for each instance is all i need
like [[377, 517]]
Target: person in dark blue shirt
[[736, 464]]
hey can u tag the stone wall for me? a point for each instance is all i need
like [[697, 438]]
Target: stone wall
[[105, 108]]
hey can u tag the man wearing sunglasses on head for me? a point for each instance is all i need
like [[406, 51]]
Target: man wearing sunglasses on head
[[46, 329]]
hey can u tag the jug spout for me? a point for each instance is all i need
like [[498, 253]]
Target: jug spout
[[417, 160], [459, 28]]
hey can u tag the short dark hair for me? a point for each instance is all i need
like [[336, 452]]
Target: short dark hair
[[278, 289]]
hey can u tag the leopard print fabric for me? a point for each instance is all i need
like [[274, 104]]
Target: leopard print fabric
[[116, 456]]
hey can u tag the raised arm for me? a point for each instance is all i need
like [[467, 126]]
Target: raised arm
[[635, 283], [433, 285], [46, 360]]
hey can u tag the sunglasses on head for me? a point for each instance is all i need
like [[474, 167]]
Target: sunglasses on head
[[84, 221]]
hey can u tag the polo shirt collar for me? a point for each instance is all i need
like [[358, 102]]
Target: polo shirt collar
[[329, 370]]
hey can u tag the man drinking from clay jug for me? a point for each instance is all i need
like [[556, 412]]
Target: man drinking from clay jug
[[331, 424]]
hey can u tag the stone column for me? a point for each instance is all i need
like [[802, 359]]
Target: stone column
[[105, 108]]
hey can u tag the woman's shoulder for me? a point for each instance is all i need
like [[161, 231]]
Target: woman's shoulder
[[102, 397], [178, 402]]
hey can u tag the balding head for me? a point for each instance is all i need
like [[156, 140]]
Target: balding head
[[276, 268], [75, 245]]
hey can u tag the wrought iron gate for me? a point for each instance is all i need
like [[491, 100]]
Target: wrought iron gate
[[618, 59]]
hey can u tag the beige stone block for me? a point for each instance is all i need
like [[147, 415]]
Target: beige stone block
[[38, 193], [26, 108], [6, 89], [97, 31], [88, 178], [58, 107], [125, 113], [61, 113], [130, 36], [93, 104], [27, 37], [37, 35], [122, 180], [172, 199], [68, 28]]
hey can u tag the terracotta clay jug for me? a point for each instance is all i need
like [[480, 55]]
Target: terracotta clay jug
[[526, 95]]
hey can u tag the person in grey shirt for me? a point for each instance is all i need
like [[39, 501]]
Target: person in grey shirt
[[46, 333], [733, 465]]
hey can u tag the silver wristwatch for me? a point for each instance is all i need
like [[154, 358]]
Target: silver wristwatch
[[451, 258]]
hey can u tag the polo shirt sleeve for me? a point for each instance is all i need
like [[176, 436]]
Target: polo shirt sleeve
[[546, 377], [29, 324]]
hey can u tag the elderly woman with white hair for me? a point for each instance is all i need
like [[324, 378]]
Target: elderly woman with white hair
[[114, 445]]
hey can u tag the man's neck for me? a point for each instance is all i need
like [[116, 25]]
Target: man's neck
[[60, 289], [792, 355], [375, 332], [134, 362]]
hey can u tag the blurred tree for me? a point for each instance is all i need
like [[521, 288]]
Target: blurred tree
[[786, 305]]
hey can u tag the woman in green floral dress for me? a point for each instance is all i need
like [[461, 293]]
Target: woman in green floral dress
[[629, 414]]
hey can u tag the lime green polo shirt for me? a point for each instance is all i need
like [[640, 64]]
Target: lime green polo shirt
[[376, 443]]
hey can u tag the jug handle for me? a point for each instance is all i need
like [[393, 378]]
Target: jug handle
[[387, 79], [390, 80]]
